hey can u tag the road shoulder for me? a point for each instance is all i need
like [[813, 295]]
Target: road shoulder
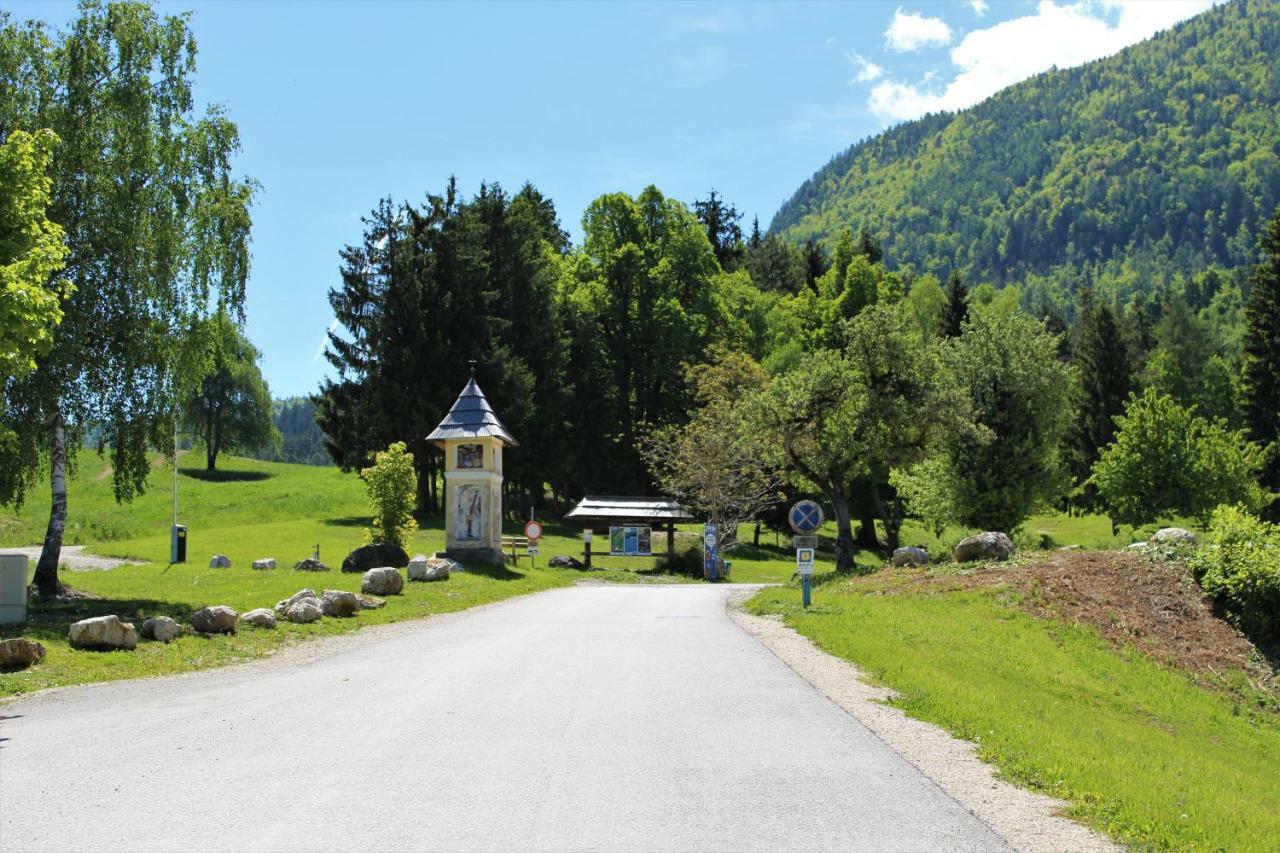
[[1025, 820]]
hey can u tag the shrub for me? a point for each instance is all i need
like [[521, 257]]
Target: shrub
[[1168, 461], [1239, 565], [393, 488]]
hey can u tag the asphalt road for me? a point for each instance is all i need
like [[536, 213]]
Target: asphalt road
[[591, 718]]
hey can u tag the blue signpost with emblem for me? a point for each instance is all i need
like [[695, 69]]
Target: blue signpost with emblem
[[710, 552], [805, 518]]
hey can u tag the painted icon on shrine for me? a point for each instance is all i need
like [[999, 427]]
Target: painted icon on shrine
[[470, 514], [470, 456]]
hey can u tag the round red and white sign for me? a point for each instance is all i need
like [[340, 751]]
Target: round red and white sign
[[533, 530]]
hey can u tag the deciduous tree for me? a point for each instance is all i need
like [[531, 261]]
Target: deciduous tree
[[1167, 461], [1012, 463], [157, 229], [231, 407]]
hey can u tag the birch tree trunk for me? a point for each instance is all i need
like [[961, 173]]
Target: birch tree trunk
[[46, 578]]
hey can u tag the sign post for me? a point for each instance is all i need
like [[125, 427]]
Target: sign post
[[710, 551], [533, 532], [805, 518]]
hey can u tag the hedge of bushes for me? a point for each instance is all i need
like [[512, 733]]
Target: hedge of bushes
[[1239, 565]]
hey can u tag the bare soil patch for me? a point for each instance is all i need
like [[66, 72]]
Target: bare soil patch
[[1128, 597]]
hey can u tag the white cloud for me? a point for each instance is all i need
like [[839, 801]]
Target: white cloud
[[979, 7], [911, 31], [988, 60], [867, 70]]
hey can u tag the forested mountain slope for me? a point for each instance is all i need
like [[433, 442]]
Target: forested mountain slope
[[1160, 160]]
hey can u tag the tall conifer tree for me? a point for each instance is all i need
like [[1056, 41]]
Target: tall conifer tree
[[1261, 346], [957, 310], [1106, 378]]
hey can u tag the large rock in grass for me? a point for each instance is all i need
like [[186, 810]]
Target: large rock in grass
[[220, 561], [303, 611], [219, 619], [337, 602], [383, 580], [161, 628], [20, 653], [310, 564], [910, 556], [265, 564], [424, 568], [375, 556], [371, 602], [1173, 536], [103, 632], [259, 618], [285, 604], [561, 561], [984, 546]]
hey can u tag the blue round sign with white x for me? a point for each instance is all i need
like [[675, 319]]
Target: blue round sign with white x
[[805, 517]]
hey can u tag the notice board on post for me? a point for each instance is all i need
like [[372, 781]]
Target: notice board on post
[[630, 541]]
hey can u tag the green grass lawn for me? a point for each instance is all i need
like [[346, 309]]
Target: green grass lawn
[[1140, 751]]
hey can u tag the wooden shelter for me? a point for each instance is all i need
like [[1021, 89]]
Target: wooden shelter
[[596, 511]]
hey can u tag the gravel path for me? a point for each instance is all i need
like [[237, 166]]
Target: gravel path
[[73, 557], [587, 718]]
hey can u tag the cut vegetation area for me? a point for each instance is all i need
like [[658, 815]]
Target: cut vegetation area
[[1102, 679]]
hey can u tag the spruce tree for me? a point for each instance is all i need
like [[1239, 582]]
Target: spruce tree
[[957, 310], [1106, 378], [815, 263], [1261, 350]]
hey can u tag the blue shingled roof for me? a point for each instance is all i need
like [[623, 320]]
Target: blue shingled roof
[[471, 417]]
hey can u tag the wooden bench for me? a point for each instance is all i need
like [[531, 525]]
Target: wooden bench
[[515, 545]]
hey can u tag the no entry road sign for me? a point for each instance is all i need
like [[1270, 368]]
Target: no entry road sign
[[805, 517]]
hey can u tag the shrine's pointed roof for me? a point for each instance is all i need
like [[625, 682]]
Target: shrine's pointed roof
[[471, 417]]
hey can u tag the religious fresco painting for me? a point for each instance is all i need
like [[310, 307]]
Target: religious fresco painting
[[470, 456], [470, 515]]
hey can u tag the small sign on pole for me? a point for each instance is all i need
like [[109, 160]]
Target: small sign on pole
[[805, 518], [533, 530]]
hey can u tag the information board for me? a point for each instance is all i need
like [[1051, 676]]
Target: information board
[[630, 541]]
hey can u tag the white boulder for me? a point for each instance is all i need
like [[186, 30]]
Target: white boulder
[[264, 564], [337, 602], [424, 568], [384, 580], [160, 628], [304, 610], [984, 546], [910, 556], [285, 604], [220, 561], [219, 619], [1173, 536], [259, 618], [103, 632]]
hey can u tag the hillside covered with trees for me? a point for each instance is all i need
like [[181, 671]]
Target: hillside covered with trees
[[1130, 173]]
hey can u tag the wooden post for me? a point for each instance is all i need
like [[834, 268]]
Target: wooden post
[[671, 540], [586, 548]]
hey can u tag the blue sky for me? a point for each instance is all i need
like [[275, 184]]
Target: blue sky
[[339, 104]]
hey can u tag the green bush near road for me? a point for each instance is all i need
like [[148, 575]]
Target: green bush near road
[[1239, 565], [1138, 750]]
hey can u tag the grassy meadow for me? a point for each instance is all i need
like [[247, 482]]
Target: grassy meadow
[[1141, 752]]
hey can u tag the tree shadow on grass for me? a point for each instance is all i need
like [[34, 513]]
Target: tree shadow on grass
[[51, 620], [350, 521], [495, 572], [224, 476]]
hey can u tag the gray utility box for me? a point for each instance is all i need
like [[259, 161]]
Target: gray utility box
[[13, 589]]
